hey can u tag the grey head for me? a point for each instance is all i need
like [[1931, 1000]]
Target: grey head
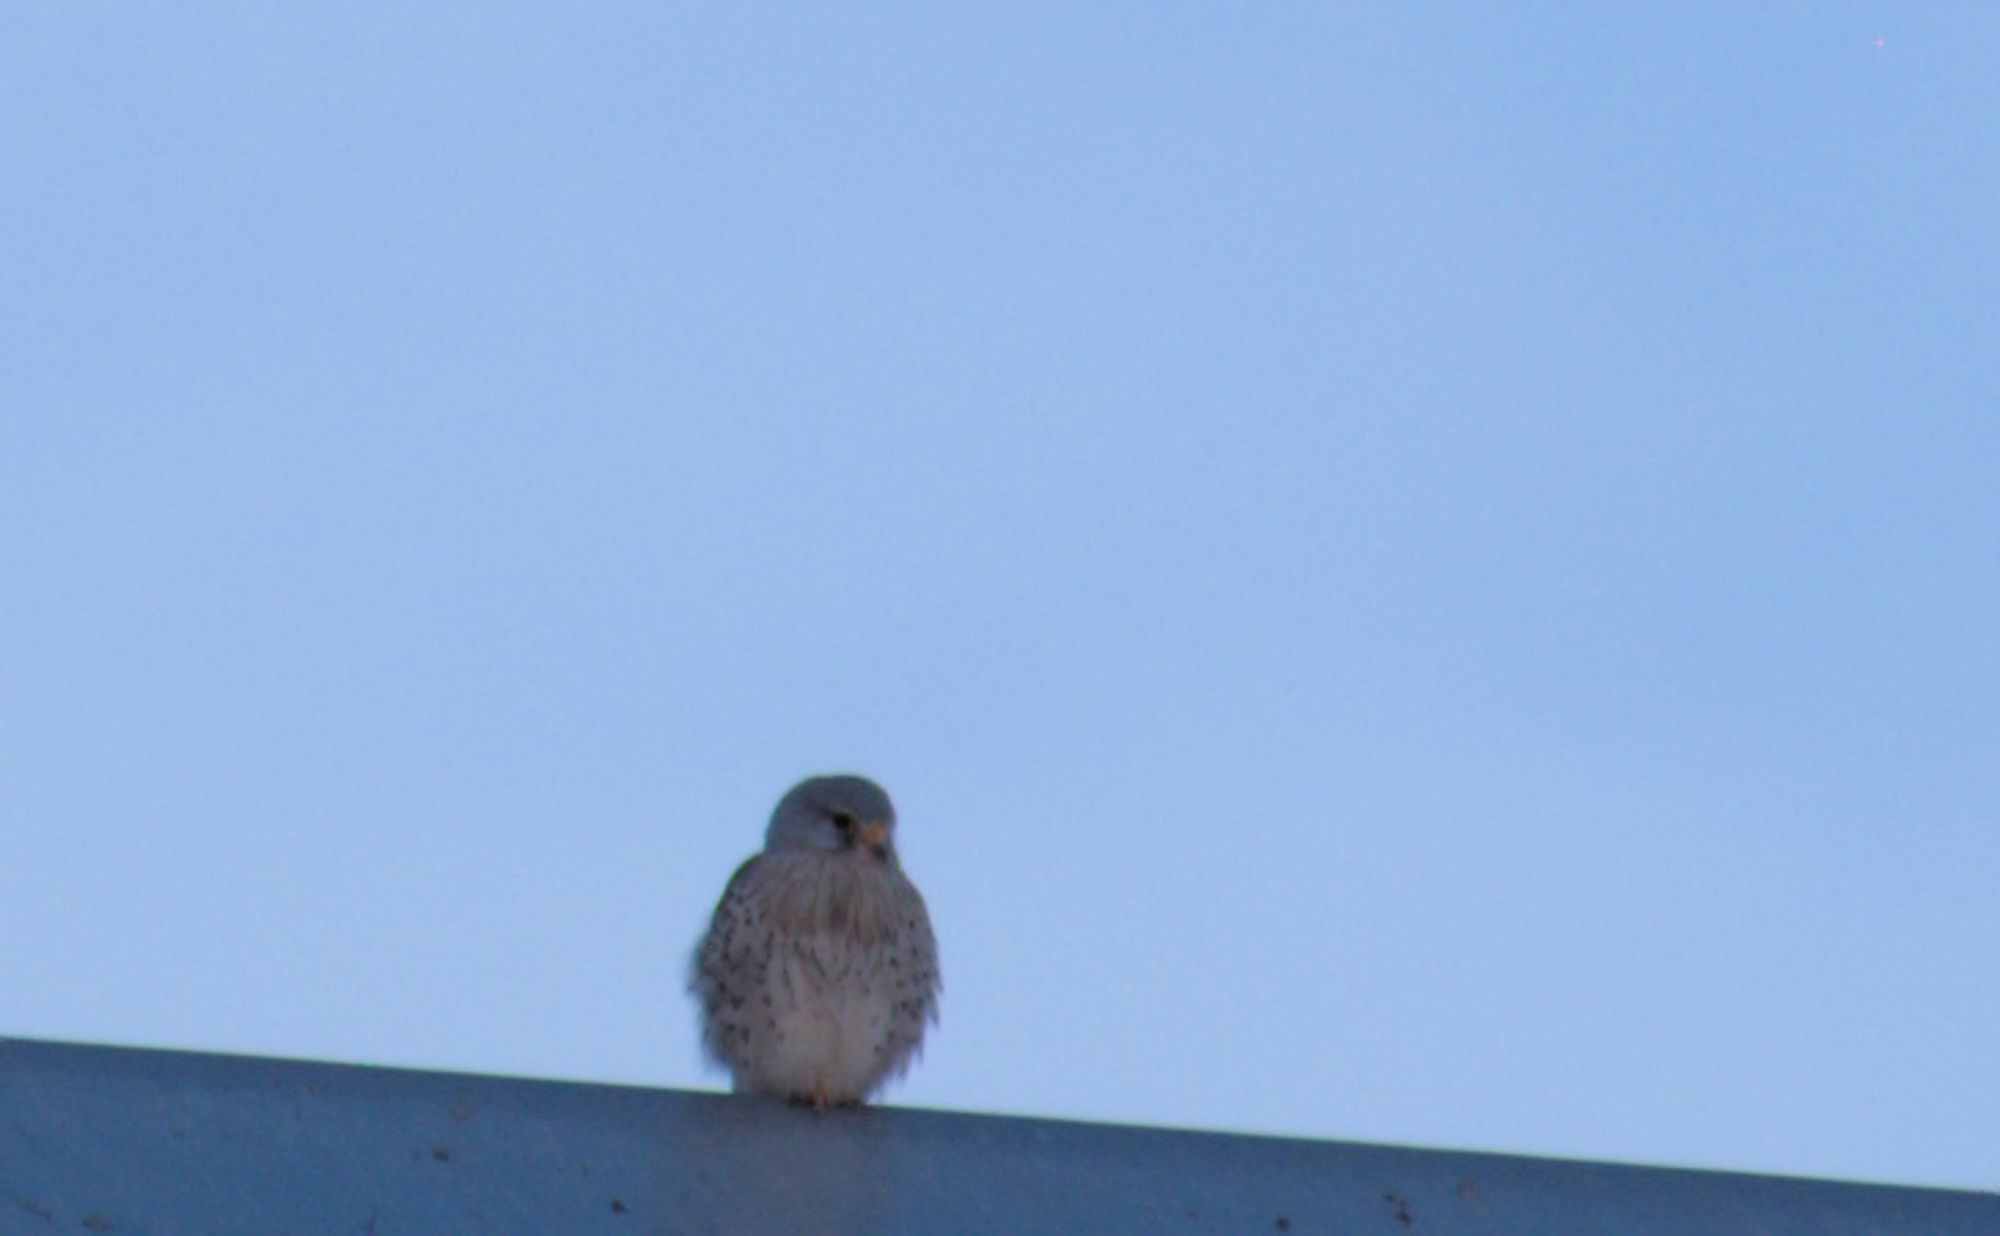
[[836, 814]]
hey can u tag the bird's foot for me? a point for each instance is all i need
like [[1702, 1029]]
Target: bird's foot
[[817, 1099]]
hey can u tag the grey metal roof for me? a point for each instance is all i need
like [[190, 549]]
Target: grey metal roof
[[124, 1140]]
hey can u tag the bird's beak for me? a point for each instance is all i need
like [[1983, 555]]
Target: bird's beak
[[875, 836]]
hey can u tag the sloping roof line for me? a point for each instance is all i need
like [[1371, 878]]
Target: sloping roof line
[[116, 1139]]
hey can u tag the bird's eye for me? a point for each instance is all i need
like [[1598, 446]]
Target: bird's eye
[[843, 821]]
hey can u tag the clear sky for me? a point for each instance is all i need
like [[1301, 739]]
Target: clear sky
[[1418, 573]]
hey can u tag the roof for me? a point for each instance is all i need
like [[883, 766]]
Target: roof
[[113, 1139]]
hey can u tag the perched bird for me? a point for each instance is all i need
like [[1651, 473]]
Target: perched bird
[[819, 970]]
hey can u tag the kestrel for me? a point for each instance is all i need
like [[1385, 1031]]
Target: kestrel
[[819, 970]]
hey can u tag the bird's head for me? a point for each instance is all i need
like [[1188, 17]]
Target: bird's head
[[835, 814]]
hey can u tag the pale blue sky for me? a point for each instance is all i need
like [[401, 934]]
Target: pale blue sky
[[1418, 573]]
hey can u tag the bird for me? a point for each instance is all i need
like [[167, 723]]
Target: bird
[[819, 971]]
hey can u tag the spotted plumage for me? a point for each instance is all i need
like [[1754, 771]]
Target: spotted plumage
[[819, 972]]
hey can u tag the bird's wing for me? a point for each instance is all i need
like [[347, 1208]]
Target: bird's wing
[[918, 979], [729, 959]]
